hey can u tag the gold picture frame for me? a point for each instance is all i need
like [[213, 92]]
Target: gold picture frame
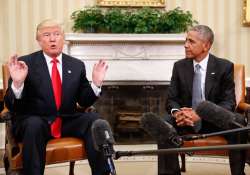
[[246, 12], [131, 3]]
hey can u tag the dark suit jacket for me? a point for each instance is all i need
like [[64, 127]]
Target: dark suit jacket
[[37, 96], [219, 83]]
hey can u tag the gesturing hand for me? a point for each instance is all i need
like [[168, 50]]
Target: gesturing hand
[[18, 71], [99, 72]]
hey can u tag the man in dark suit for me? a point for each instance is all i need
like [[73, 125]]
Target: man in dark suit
[[44, 90], [200, 76]]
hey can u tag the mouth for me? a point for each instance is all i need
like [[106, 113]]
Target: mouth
[[53, 46]]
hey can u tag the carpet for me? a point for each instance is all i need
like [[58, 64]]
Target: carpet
[[147, 165]]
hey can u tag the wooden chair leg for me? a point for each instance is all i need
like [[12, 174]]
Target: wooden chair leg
[[6, 163], [183, 162], [71, 168], [14, 172]]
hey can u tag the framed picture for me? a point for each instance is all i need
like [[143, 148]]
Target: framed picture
[[246, 12], [131, 3]]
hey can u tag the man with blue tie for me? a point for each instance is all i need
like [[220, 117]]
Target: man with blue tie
[[200, 76], [44, 90]]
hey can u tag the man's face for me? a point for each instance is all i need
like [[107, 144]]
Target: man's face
[[51, 40], [195, 46]]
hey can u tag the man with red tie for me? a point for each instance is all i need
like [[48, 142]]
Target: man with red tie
[[44, 90]]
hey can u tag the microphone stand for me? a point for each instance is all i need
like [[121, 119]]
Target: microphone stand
[[108, 153], [119, 154], [202, 136]]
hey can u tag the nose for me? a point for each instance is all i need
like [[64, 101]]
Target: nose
[[186, 44], [52, 37]]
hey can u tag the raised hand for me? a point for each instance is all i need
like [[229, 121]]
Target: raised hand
[[18, 71], [99, 72]]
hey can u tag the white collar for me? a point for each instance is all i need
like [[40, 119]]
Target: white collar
[[203, 63], [48, 58]]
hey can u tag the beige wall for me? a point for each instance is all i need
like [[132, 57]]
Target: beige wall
[[18, 19]]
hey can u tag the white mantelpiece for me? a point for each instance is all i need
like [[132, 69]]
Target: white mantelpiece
[[131, 57]]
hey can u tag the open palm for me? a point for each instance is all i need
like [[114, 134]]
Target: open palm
[[18, 71], [99, 72]]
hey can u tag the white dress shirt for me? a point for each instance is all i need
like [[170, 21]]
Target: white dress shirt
[[203, 70]]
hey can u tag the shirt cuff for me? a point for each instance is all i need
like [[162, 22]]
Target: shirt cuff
[[17, 91], [97, 90], [173, 110]]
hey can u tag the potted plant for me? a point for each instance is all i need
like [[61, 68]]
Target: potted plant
[[176, 21], [88, 20], [144, 20], [116, 21]]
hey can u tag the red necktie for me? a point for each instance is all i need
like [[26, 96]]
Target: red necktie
[[57, 89]]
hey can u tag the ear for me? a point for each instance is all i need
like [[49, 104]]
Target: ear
[[38, 40], [206, 46]]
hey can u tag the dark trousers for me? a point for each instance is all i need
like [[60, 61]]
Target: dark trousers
[[34, 133], [169, 164]]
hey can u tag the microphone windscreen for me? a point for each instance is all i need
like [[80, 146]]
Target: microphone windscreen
[[101, 134], [215, 114], [160, 130]]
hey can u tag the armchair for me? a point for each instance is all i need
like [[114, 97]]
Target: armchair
[[241, 107], [61, 150]]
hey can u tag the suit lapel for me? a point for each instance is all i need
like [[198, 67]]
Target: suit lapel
[[45, 80], [210, 75], [189, 73], [66, 71]]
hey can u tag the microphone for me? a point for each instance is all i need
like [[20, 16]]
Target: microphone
[[162, 131], [103, 141], [218, 116]]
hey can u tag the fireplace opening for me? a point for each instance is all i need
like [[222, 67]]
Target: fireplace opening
[[123, 106]]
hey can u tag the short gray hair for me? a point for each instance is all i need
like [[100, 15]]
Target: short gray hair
[[205, 32]]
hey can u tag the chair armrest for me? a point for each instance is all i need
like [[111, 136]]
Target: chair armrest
[[11, 143], [4, 115], [243, 107]]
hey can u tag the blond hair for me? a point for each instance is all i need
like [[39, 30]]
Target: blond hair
[[48, 23]]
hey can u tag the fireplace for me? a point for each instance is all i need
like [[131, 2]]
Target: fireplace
[[140, 67], [123, 106]]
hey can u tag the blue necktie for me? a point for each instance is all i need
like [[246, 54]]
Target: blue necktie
[[197, 91]]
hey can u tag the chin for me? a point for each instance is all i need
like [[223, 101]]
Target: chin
[[55, 53], [189, 56]]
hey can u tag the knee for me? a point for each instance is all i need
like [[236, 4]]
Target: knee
[[94, 117], [34, 125], [241, 119]]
